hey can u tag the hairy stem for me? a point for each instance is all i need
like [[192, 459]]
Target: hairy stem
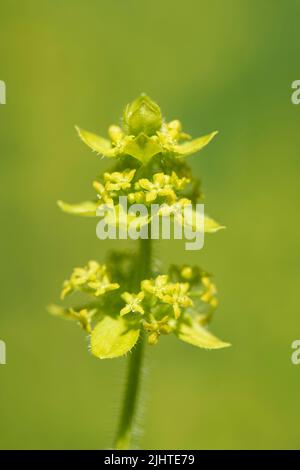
[[134, 375], [127, 422]]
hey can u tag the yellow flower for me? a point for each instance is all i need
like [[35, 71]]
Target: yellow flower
[[133, 303], [209, 296], [176, 295], [116, 181], [92, 279], [187, 273], [159, 187], [103, 194], [162, 186], [175, 209], [157, 286], [116, 134], [174, 129], [136, 197], [157, 327]]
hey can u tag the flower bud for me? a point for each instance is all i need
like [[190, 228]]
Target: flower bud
[[142, 116], [153, 338]]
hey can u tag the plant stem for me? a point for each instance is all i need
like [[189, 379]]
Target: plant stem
[[134, 375], [126, 427]]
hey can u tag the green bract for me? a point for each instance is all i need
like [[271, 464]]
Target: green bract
[[149, 166]]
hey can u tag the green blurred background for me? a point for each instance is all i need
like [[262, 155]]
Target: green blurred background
[[215, 65]]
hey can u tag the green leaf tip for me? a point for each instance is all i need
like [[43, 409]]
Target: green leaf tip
[[197, 335], [211, 225], [96, 143], [84, 209], [188, 148]]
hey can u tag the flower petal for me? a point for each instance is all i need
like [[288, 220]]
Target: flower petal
[[125, 310]]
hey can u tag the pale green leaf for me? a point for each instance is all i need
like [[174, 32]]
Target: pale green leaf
[[211, 226], [97, 143], [199, 336], [190, 218], [188, 148], [111, 338], [84, 209]]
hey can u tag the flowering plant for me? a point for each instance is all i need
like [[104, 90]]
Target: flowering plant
[[128, 298]]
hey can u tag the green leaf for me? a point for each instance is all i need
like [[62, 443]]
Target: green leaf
[[188, 148], [143, 148], [190, 218], [198, 336], [211, 226], [112, 337], [84, 209], [97, 144]]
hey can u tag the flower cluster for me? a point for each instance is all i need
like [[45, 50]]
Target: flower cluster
[[161, 176], [162, 187], [92, 279], [149, 166], [174, 294], [160, 307], [115, 184]]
